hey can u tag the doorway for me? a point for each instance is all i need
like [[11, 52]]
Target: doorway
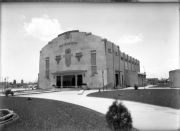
[[117, 79], [68, 81], [79, 80], [58, 81]]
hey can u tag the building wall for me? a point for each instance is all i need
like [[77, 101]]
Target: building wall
[[109, 60], [142, 80], [113, 61], [174, 77], [131, 78], [85, 44]]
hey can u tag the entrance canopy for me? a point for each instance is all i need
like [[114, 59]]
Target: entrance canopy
[[69, 78], [69, 72]]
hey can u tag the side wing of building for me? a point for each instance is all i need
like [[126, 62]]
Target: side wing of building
[[122, 69]]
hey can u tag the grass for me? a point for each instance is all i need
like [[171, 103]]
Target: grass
[[161, 85], [50, 115], [161, 97]]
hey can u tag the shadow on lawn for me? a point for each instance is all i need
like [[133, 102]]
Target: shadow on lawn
[[49, 115]]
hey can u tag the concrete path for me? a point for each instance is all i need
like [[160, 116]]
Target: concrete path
[[145, 116]]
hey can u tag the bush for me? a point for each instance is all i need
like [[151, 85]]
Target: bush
[[136, 87], [118, 117], [8, 91]]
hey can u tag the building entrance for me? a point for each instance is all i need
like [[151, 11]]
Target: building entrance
[[117, 79], [69, 81], [58, 81], [79, 80]]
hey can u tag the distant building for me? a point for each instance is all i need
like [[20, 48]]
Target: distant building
[[174, 78], [74, 58], [152, 81], [142, 79]]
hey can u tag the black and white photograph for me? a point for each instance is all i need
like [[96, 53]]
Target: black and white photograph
[[87, 66]]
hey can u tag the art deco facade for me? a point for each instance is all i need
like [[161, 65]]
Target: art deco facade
[[76, 57]]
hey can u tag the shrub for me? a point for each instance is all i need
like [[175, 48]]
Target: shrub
[[8, 91], [136, 87], [118, 117]]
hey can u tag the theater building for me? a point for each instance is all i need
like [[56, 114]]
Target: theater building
[[75, 57]]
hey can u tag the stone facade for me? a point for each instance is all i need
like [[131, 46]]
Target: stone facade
[[74, 58]]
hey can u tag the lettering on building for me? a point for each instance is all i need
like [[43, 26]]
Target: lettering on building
[[68, 43]]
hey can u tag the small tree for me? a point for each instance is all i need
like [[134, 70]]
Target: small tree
[[118, 117], [136, 87], [22, 82], [14, 82]]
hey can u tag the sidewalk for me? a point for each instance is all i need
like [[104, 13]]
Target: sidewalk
[[145, 116], [149, 87]]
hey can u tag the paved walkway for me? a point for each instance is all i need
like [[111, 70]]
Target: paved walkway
[[145, 116]]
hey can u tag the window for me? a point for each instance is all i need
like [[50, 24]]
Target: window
[[109, 50], [117, 53], [93, 63], [121, 57], [47, 67]]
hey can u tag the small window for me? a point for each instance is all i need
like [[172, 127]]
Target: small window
[[121, 58], [94, 70], [109, 50], [117, 53], [47, 68], [93, 63]]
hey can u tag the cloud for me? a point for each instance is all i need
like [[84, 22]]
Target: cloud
[[43, 28], [131, 39]]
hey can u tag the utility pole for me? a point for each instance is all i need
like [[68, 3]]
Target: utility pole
[[103, 79], [179, 33]]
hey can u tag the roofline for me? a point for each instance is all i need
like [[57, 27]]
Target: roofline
[[177, 70], [68, 32]]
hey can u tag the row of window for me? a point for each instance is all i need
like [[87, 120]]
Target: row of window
[[131, 67], [117, 54], [110, 51]]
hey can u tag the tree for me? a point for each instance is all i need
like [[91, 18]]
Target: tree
[[22, 82], [14, 82], [118, 117]]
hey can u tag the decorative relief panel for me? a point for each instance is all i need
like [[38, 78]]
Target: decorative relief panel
[[79, 55], [58, 58]]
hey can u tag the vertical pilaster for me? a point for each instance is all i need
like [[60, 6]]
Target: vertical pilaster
[[76, 81], [62, 81]]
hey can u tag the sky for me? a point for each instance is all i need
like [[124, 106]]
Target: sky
[[148, 32]]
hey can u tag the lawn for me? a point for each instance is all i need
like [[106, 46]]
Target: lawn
[[161, 97], [50, 115]]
